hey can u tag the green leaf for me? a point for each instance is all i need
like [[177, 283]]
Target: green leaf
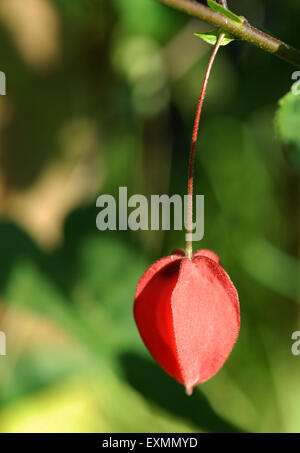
[[220, 9], [287, 121], [212, 36]]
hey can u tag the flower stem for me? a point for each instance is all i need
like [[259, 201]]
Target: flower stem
[[189, 248]]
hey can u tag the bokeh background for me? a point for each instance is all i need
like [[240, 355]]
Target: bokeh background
[[101, 94]]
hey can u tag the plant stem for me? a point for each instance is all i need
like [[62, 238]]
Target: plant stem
[[189, 247], [243, 31]]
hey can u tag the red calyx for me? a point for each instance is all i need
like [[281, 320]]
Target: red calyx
[[187, 313]]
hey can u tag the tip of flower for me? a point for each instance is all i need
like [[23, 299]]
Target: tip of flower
[[189, 390]]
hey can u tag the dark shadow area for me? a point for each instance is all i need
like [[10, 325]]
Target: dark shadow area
[[14, 244], [60, 265], [154, 384]]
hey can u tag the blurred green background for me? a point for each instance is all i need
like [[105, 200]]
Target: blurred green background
[[101, 94]]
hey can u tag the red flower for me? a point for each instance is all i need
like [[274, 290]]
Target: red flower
[[187, 313]]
